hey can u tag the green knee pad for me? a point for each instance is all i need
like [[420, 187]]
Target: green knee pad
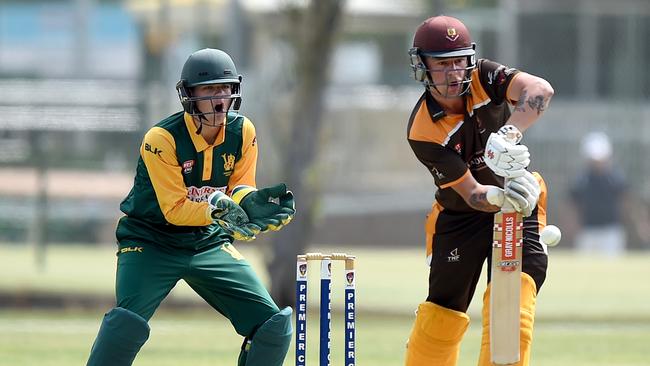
[[270, 343], [120, 337]]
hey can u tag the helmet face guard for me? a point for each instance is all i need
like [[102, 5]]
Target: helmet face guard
[[189, 102], [421, 73], [442, 37], [206, 67]]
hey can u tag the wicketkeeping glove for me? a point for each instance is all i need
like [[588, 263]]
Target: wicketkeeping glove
[[504, 155], [269, 208], [231, 217]]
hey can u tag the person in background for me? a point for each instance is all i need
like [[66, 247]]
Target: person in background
[[599, 195]]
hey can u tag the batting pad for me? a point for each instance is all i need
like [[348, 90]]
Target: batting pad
[[120, 337], [436, 335], [269, 345]]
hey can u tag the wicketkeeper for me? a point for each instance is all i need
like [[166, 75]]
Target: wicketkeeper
[[462, 130], [193, 195]]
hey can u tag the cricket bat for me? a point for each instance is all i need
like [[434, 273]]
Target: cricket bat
[[505, 285]]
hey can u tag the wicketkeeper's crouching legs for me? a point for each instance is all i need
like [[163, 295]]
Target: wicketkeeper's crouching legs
[[269, 344], [527, 307], [436, 335], [120, 337]]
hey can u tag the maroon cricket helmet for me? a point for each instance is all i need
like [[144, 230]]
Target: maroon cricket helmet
[[443, 36]]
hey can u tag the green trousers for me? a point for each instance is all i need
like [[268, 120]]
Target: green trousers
[[146, 273]]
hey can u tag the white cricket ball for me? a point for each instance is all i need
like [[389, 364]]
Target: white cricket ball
[[550, 235]]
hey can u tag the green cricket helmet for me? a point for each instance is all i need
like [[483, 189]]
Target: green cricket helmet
[[442, 37], [208, 66]]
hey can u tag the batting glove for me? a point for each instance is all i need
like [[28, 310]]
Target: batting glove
[[523, 193], [504, 155], [495, 196]]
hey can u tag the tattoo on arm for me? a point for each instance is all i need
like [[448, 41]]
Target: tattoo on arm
[[478, 201], [538, 103], [520, 107]]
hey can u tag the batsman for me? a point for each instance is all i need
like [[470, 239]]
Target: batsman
[[466, 129], [194, 193]]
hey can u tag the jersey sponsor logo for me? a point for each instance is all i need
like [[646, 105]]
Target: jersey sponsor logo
[[228, 164], [131, 249], [254, 141], [453, 256], [201, 194], [476, 161], [452, 35], [153, 150], [187, 166]]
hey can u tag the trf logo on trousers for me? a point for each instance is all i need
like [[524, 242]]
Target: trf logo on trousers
[[453, 256]]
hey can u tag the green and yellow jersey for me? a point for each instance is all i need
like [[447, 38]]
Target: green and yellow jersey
[[176, 172]]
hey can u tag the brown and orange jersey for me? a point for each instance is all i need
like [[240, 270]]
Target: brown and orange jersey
[[451, 146]]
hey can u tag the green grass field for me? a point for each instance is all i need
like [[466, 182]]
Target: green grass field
[[591, 311]]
